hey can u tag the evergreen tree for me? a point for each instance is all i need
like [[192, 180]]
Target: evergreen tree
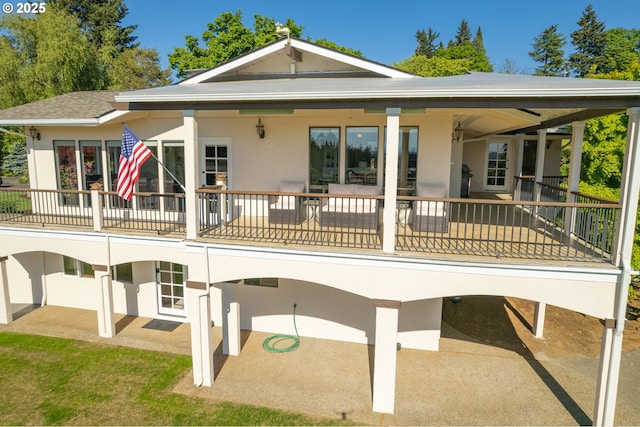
[[101, 21], [478, 43], [548, 50], [589, 42], [426, 42], [15, 162], [463, 34]]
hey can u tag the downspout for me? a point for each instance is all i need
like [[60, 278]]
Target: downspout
[[206, 254]]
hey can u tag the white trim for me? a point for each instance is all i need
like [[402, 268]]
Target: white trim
[[93, 121], [302, 45]]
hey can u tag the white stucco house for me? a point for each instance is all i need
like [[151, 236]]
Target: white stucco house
[[315, 178]]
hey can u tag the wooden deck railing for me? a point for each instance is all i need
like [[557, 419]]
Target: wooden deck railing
[[583, 231]]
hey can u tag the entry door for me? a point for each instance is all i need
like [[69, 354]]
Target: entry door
[[170, 288], [215, 157], [497, 166]]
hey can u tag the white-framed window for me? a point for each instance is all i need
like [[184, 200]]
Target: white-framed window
[[75, 267], [269, 282], [122, 272]]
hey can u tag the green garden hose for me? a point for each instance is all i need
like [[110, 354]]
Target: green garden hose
[[271, 343]]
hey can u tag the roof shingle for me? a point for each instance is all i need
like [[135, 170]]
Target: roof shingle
[[74, 105]]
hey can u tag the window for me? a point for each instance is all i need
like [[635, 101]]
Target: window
[[75, 267], [174, 162], [148, 181], [170, 282], [529, 158], [362, 155], [270, 282], [122, 272], [324, 146], [65, 153]]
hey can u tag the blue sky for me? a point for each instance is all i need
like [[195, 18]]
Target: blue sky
[[384, 30]]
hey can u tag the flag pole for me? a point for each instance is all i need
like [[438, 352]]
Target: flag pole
[[169, 172], [164, 167]]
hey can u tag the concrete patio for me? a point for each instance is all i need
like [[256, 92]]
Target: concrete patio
[[466, 383]]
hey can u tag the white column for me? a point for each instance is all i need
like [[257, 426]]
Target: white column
[[542, 146], [191, 173], [384, 367], [605, 360], [538, 319], [199, 315], [518, 164], [230, 320], [96, 203], [575, 163], [6, 313], [106, 318], [391, 181], [629, 197]]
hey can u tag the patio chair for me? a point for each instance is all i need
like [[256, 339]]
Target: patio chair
[[287, 209], [430, 215]]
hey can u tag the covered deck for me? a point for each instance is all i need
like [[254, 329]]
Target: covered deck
[[489, 226]]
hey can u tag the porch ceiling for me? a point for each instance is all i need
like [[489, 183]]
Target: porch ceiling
[[508, 102]]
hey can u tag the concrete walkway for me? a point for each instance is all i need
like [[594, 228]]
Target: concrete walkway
[[466, 383]]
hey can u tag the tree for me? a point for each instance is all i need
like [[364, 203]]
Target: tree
[[621, 50], [509, 66], [101, 21], [589, 42], [478, 43], [137, 68], [334, 46], [548, 50], [45, 56], [227, 37], [463, 34], [15, 161], [478, 61], [426, 42], [434, 67]]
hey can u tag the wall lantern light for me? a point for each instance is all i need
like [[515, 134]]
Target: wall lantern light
[[34, 133], [260, 129], [457, 133]]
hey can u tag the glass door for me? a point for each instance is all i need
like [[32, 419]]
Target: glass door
[[214, 158], [497, 166], [170, 279]]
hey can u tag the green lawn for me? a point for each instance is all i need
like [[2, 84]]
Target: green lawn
[[14, 201], [54, 381]]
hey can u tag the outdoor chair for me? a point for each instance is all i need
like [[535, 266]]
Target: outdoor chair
[[430, 215], [287, 209]]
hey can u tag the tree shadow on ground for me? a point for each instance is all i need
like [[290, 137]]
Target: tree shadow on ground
[[486, 320]]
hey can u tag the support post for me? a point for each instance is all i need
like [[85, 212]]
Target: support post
[[629, 197], [605, 360], [575, 163], [540, 152], [199, 301], [391, 181], [96, 203], [538, 319], [6, 313], [230, 320], [106, 318], [518, 165], [386, 347], [190, 173]]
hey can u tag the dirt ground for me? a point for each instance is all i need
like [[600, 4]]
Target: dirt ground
[[506, 322]]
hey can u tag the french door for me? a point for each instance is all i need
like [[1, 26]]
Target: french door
[[497, 166], [170, 284]]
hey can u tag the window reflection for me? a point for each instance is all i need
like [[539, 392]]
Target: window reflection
[[323, 157], [362, 155]]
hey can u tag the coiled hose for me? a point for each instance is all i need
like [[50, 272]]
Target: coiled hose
[[271, 344]]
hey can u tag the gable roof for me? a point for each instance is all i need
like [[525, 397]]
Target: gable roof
[[276, 59], [79, 108]]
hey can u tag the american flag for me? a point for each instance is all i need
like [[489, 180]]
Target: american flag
[[133, 154]]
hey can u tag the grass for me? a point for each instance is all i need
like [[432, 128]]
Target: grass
[[14, 201], [56, 381]]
